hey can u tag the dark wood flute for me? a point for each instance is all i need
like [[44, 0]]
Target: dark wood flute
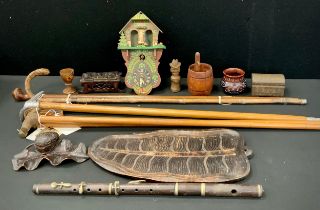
[[144, 188]]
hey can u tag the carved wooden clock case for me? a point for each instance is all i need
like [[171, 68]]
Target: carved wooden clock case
[[141, 51]]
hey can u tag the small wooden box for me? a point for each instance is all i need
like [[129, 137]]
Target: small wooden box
[[100, 81], [268, 84]]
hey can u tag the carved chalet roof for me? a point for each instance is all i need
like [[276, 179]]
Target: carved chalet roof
[[140, 16]]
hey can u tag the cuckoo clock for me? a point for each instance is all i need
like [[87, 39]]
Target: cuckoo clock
[[141, 51]]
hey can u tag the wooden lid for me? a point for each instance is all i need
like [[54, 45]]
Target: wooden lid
[[268, 79]]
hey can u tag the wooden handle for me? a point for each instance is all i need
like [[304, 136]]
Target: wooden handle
[[197, 58], [197, 61], [18, 93], [30, 121], [33, 74]]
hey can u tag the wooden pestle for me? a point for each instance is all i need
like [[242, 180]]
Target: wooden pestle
[[197, 63]]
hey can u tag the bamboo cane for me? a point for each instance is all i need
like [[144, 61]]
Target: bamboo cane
[[96, 98], [167, 112], [89, 121]]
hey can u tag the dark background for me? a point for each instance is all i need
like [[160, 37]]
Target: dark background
[[267, 36]]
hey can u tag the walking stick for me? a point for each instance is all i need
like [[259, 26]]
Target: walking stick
[[117, 98], [157, 112], [92, 121]]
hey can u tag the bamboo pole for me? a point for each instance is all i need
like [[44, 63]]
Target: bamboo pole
[[100, 98], [167, 112], [89, 121]]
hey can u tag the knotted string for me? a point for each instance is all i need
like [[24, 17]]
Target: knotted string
[[68, 99], [49, 111], [220, 101]]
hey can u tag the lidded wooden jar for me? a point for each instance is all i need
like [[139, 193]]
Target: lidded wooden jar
[[268, 84], [200, 78]]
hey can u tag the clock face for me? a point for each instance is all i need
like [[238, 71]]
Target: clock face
[[141, 74]]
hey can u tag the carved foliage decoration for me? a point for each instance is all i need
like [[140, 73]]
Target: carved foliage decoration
[[214, 155], [142, 73], [30, 158]]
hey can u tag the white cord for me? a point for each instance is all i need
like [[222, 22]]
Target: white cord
[[38, 114], [54, 111], [68, 99]]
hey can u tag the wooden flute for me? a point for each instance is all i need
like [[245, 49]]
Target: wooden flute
[[145, 188]]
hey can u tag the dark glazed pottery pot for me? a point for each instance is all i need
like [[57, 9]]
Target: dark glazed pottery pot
[[233, 81]]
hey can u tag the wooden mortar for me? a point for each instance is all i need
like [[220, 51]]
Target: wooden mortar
[[200, 78]]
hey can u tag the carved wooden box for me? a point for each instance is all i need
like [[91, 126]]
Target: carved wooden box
[[100, 81], [268, 84]]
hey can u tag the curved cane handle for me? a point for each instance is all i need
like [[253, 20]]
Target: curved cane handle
[[18, 93]]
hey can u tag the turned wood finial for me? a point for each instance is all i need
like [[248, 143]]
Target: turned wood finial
[[175, 78]]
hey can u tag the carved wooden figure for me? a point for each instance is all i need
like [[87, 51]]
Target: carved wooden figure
[[175, 78], [141, 51]]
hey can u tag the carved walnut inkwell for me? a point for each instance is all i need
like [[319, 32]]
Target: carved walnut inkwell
[[233, 81], [46, 141], [49, 146]]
